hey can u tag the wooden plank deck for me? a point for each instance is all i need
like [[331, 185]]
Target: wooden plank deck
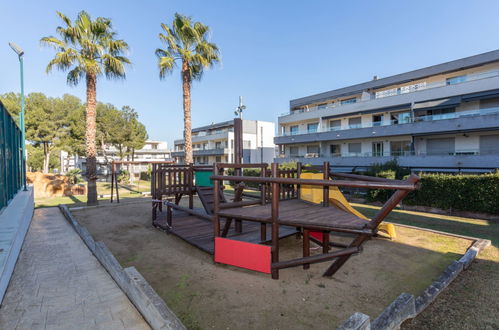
[[199, 232]]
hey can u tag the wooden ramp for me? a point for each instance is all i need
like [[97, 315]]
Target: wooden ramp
[[199, 232]]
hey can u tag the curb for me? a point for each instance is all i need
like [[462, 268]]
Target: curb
[[406, 306], [132, 283]]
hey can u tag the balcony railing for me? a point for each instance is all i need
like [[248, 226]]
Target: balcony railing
[[402, 153], [400, 90], [406, 120]]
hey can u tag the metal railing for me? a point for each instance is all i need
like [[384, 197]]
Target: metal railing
[[11, 160], [398, 91], [406, 120], [400, 153]]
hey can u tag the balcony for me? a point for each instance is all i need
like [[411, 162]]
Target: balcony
[[201, 152], [216, 135], [473, 84], [471, 159], [450, 122]]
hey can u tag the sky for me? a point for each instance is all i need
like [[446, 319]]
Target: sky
[[272, 51]]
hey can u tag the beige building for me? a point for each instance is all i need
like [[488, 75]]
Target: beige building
[[443, 117], [215, 143]]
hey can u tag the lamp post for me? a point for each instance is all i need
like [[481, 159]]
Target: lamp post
[[18, 50]]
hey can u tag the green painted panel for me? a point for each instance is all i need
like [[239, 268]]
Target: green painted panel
[[203, 178]]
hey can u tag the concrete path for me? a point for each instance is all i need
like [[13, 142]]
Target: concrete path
[[58, 283]]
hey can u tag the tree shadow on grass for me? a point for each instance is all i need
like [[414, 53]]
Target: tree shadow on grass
[[481, 228]]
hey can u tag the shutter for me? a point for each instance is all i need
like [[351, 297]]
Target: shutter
[[444, 146]]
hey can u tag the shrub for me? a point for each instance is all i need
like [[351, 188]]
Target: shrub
[[124, 177], [246, 172], [146, 176], [476, 193], [381, 195], [74, 175]]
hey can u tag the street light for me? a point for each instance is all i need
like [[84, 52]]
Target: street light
[[240, 108], [18, 50]]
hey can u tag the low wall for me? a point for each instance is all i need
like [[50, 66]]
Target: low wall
[[14, 223]]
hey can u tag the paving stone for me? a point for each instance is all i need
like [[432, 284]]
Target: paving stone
[[59, 284]]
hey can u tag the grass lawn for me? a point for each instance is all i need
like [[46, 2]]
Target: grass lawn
[[471, 301], [103, 188]]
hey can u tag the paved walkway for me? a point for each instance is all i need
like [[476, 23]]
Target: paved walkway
[[59, 284]]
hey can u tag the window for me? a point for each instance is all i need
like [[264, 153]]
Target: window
[[294, 151], [335, 150], [455, 80], [246, 144], [231, 143], [312, 128], [218, 159], [377, 120], [218, 145], [293, 130], [335, 125], [322, 106], [349, 101], [377, 149], [400, 148], [355, 122], [154, 146], [313, 149], [354, 149], [401, 118]]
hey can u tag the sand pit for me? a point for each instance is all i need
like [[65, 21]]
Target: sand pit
[[205, 295]]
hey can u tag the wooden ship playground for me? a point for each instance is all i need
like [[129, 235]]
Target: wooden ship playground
[[211, 238]]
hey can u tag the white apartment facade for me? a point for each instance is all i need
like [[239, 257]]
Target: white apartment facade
[[441, 117], [215, 143], [152, 151]]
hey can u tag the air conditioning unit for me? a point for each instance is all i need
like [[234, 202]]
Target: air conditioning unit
[[312, 155]]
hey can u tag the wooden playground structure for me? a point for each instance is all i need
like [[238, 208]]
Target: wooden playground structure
[[305, 202], [114, 173]]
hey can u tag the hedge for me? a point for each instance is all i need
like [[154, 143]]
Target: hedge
[[476, 193]]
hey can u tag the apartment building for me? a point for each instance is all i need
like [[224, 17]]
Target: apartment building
[[152, 151], [442, 117], [215, 143]]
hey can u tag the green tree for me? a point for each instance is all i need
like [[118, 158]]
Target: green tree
[[35, 159], [135, 135], [46, 124], [88, 48], [12, 102], [187, 42]]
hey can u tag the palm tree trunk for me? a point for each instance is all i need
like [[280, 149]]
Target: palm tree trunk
[[90, 148], [186, 88], [46, 157]]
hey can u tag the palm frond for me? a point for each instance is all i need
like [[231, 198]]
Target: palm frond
[[87, 46], [186, 41]]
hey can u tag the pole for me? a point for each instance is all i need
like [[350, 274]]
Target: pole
[[23, 128]]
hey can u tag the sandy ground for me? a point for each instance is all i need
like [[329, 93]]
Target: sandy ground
[[205, 295]]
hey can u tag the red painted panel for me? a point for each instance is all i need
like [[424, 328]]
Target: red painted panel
[[243, 254], [316, 234]]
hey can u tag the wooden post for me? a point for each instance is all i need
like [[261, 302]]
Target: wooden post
[[298, 174], [117, 190], [263, 187], [325, 190], [238, 144], [306, 246], [112, 181], [190, 177], [325, 241], [275, 222], [216, 206]]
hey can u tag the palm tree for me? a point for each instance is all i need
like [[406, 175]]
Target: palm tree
[[187, 42], [88, 48]]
